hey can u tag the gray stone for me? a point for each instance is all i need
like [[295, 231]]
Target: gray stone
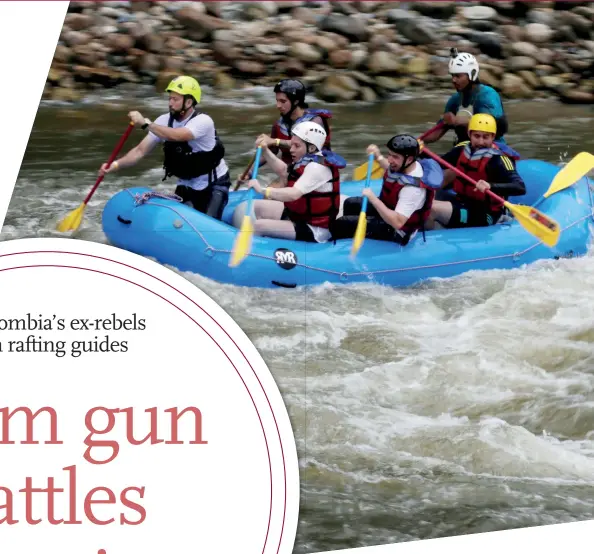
[[517, 63], [538, 33], [524, 49], [478, 12], [354, 29]]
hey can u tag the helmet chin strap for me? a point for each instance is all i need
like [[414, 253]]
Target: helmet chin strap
[[287, 117], [406, 165], [179, 114]]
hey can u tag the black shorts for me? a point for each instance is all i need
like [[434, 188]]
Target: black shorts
[[471, 215], [344, 227], [211, 200], [303, 231]]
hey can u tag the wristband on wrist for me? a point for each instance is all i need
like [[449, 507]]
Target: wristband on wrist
[[147, 122], [115, 165], [278, 142], [267, 192]]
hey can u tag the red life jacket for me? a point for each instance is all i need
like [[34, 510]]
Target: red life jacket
[[474, 164], [316, 208], [282, 131], [393, 183]]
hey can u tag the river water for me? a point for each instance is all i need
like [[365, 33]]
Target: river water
[[455, 407]]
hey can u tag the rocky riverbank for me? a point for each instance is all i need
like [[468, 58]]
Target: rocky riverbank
[[343, 50]]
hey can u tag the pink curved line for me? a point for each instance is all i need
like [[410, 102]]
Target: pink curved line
[[220, 327]]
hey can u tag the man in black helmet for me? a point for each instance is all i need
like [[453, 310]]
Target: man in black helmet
[[404, 203], [290, 102]]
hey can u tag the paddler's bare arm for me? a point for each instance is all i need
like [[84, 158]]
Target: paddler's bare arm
[[373, 149], [274, 143], [391, 217], [144, 148], [282, 143], [435, 135], [460, 119], [181, 134], [272, 149], [284, 194], [463, 117], [276, 164], [448, 178]]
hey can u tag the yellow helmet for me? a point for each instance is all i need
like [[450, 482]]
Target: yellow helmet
[[186, 86], [482, 122]]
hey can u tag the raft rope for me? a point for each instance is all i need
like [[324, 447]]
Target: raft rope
[[147, 196]]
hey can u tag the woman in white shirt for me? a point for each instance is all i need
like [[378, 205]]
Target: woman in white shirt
[[307, 204]]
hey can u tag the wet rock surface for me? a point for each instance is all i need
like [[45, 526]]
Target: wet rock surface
[[343, 51]]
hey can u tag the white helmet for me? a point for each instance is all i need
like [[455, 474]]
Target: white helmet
[[464, 63], [311, 133]]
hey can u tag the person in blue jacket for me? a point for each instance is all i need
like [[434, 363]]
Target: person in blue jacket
[[471, 97]]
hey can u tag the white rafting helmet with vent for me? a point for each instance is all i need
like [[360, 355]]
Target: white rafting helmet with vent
[[311, 133], [463, 63]]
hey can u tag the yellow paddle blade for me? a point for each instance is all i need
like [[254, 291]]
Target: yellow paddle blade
[[360, 172], [359, 233], [243, 242], [577, 168], [536, 223], [73, 220], [377, 172]]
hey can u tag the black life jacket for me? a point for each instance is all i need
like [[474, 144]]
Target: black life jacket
[[182, 163]]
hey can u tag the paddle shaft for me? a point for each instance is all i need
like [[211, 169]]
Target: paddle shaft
[[248, 211], [367, 181], [247, 169], [115, 152], [432, 130], [533, 221], [257, 162], [460, 173], [244, 175]]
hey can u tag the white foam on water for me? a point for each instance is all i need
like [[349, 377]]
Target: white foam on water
[[432, 372]]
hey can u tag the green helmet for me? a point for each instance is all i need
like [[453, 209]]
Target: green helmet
[[187, 86]]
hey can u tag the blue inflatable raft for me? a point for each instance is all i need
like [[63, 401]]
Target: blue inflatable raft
[[137, 220]]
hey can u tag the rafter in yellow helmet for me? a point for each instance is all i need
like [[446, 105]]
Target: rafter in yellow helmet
[[482, 122]]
